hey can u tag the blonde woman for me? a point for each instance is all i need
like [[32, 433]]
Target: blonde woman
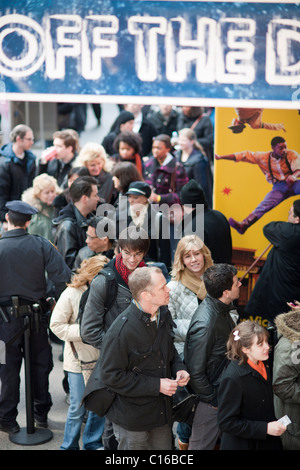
[[194, 160], [191, 259], [41, 196], [94, 158], [64, 325], [187, 290]]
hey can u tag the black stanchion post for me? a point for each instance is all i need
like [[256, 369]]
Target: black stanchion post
[[29, 435]]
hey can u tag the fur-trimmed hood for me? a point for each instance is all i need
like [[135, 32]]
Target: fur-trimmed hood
[[288, 325]]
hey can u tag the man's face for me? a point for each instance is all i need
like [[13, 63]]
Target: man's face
[[292, 218], [27, 141], [160, 293], [98, 245], [279, 150], [62, 152], [131, 258], [92, 201], [234, 293]]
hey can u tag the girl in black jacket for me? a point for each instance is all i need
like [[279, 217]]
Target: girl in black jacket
[[245, 400]]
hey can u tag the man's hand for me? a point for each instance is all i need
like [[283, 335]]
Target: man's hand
[[168, 386], [182, 378]]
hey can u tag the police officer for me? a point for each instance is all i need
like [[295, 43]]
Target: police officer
[[26, 261]]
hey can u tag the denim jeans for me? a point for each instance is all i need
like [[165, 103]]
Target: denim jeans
[[94, 425]]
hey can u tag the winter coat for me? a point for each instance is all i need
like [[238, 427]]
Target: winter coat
[[205, 347], [245, 407], [16, 175], [96, 319], [204, 130], [71, 233], [58, 170], [197, 167], [128, 345], [279, 281], [286, 376], [64, 325], [182, 305], [164, 124], [216, 232], [160, 178], [41, 223]]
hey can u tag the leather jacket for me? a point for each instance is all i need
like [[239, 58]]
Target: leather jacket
[[205, 347]]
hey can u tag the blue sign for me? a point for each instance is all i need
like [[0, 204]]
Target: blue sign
[[181, 52]]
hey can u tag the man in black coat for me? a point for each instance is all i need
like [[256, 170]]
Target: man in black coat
[[216, 229], [24, 260], [17, 166], [72, 220], [205, 350], [66, 145], [279, 281], [141, 365]]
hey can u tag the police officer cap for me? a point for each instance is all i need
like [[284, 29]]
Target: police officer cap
[[21, 207], [139, 188]]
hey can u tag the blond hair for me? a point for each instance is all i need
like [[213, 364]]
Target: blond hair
[[191, 135], [44, 181], [91, 151], [184, 245], [88, 270]]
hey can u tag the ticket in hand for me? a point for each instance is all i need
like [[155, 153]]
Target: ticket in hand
[[285, 420]]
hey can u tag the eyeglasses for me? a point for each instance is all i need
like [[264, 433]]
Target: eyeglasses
[[133, 255], [90, 237], [28, 138]]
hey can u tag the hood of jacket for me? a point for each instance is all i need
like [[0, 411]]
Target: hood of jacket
[[288, 325]]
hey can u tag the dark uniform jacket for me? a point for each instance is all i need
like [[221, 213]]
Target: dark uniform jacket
[[131, 367], [205, 347], [24, 258]]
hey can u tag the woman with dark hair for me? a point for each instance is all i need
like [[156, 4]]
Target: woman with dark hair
[[124, 173], [124, 122], [246, 414], [128, 147]]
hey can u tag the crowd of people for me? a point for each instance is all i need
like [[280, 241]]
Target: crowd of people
[[144, 314]]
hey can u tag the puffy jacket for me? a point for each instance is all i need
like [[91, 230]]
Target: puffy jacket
[[16, 176], [205, 347], [97, 319], [128, 345], [286, 376], [182, 304]]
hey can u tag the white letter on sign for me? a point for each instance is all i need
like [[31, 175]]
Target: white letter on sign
[[94, 27], [181, 53], [282, 59], [63, 44], [19, 29], [235, 54], [146, 52]]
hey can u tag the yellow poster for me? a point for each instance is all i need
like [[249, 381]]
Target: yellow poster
[[246, 188]]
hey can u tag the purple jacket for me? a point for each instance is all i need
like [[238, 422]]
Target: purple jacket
[[160, 179]]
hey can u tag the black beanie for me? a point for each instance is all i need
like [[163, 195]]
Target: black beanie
[[192, 193]]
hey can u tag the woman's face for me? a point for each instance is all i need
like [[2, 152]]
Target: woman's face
[[159, 150], [257, 351], [185, 143], [95, 166], [116, 182], [127, 126], [125, 151], [47, 195], [194, 261]]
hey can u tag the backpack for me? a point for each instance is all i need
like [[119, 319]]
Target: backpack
[[112, 288]]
